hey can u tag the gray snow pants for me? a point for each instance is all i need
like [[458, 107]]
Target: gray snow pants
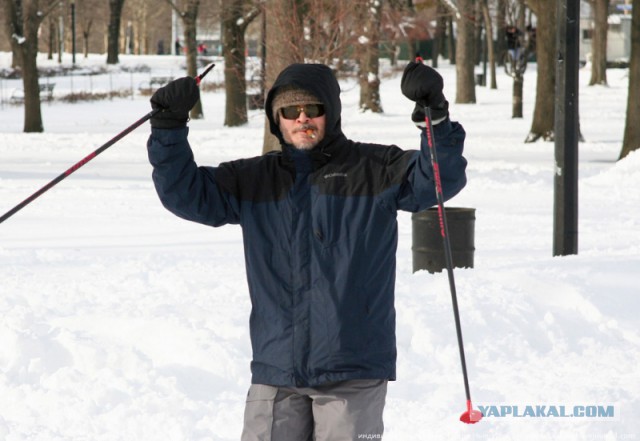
[[344, 411]]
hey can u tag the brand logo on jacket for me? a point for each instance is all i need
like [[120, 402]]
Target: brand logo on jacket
[[335, 175]]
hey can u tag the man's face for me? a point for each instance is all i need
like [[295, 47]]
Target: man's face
[[303, 131]]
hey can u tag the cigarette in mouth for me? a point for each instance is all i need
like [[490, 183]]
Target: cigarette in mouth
[[310, 133]]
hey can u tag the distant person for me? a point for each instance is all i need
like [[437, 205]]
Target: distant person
[[177, 47], [320, 237], [514, 45]]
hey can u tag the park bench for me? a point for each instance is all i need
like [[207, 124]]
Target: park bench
[[46, 93]]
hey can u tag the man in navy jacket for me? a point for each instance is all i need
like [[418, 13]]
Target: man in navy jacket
[[320, 237]]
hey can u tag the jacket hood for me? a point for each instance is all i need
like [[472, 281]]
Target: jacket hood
[[321, 82]]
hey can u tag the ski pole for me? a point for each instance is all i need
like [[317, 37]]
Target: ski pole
[[90, 156], [470, 416]]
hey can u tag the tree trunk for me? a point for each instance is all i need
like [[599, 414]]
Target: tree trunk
[[283, 49], [599, 42], [439, 43], [518, 86], [14, 28], [113, 34], [85, 42], [190, 21], [516, 67], [51, 39], [477, 32], [501, 27], [451, 41], [189, 16], [32, 112], [24, 19], [631, 139], [490, 46], [544, 110], [465, 56], [234, 26], [369, 57]]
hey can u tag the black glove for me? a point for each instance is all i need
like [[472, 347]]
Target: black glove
[[175, 99], [422, 84], [438, 114]]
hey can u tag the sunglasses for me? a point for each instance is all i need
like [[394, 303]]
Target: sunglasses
[[311, 110]]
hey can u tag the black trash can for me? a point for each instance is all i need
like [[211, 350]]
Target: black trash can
[[428, 246]]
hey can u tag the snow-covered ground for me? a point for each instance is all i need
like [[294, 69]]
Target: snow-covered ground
[[119, 321]]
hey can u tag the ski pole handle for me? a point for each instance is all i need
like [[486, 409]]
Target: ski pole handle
[[206, 71]]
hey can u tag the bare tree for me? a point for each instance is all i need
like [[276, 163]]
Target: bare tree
[[599, 42], [113, 33], [440, 35], [515, 61], [402, 21], [329, 31], [501, 28], [316, 30], [51, 40], [26, 17], [86, 12], [86, 23], [234, 24], [138, 14], [283, 48], [370, 12], [543, 122], [465, 53], [489, 42], [189, 16], [631, 139], [14, 28]]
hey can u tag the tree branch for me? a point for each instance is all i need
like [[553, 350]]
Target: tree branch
[[174, 7], [253, 13], [49, 9]]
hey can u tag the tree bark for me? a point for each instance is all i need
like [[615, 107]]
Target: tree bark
[[516, 67], [543, 122], [465, 54], [501, 27], [368, 75], [32, 111], [631, 139], [599, 42], [490, 46], [518, 86], [234, 26], [14, 24], [190, 20], [113, 34], [439, 43]]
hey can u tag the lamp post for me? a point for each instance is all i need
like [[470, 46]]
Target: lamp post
[[73, 31], [567, 131]]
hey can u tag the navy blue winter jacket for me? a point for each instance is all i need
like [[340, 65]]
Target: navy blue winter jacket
[[320, 235]]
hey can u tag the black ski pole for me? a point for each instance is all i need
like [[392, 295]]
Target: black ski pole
[[90, 156], [470, 416]]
